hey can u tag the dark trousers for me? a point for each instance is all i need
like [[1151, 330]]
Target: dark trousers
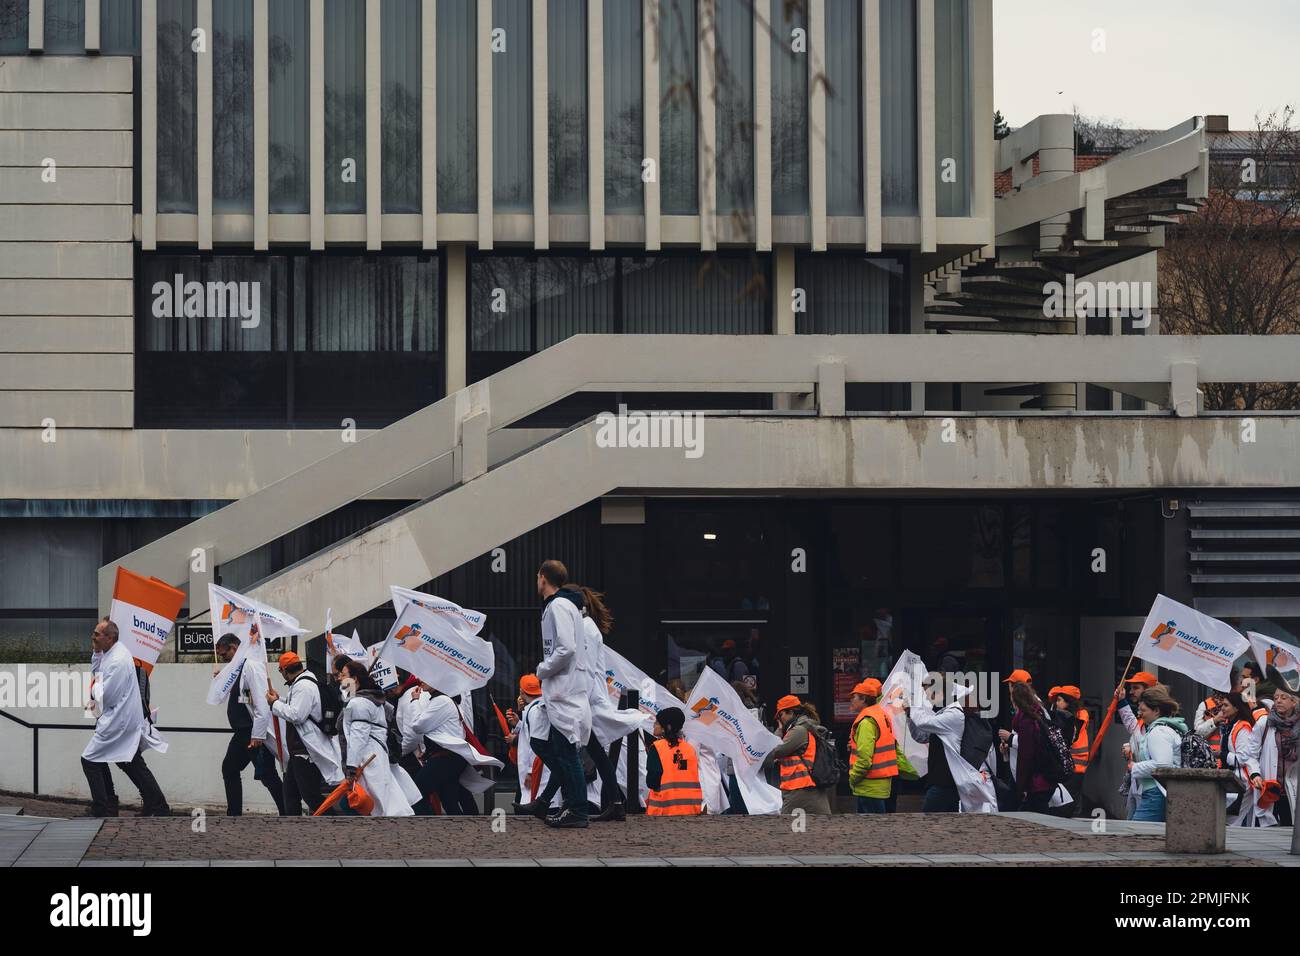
[[303, 783], [566, 766], [941, 800], [610, 792], [103, 799], [1037, 802], [441, 775], [238, 756]]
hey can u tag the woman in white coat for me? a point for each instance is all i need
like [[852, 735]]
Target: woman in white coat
[[451, 765], [365, 735], [974, 786], [1268, 759]]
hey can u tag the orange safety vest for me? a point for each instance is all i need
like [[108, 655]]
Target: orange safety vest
[[884, 759], [796, 771], [1216, 738], [1079, 749], [678, 794], [1237, 728], [1258, 714]]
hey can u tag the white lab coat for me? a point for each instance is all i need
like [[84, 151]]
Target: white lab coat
[[365, 729], [533, 725], [975, 788], [712, 787], [300, 706], [440, 720], [608, 723], [1258, 754], [252, 694], [566, 683], [121, 729]]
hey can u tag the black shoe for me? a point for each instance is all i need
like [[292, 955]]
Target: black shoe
[[100, 814], [614, 811], [163, 811], [568, 820], [534, 808]]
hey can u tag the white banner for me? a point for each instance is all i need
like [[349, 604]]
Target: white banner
[[1185, 640], [463, 618], [627, 676], [717, 718], [234, 613], [906, 682], [1270, 652], [384, 673], [431, 645]]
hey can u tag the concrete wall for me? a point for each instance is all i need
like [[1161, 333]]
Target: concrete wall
[[189, 773], [66, 337]]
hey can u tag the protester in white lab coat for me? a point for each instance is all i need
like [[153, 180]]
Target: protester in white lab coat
[[122, 729], [566, 688], [365, 736], [249, 715], [312, 762], [959, 778], [529, 732], [1270, 759], [436, 734]]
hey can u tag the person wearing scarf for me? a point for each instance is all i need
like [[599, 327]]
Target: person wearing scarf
[[1271, 762]]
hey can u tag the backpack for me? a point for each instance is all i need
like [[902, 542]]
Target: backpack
[[1056, 762], [827, 768], [1196, 753], [331, 705]]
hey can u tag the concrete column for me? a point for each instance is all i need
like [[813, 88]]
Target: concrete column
[[36, 25], [706, 22], [763, 41], [1056, 161], [596, 122], [650, 110], [261, 124], [148, 124], [374, 128], [871, 110], [817, 122], [783, 316], [541, 134], [429, 124], [925, 121], [203, 123], [916, 293], [456, 310], [317, 82], [484, 102], [92, 26]]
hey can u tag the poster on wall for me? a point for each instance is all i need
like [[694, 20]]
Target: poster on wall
[[846, 671]]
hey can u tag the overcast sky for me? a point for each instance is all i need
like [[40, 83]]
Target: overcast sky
[[1164, 60]]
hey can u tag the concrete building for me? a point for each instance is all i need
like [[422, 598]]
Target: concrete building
[[311, 297]]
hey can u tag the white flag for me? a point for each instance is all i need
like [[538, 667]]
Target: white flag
[[234, 613], [383, 673], [1270, 652], [463, 618], [906, 685], [626, 676], [1185, 640], [431, 645], [717, 718]]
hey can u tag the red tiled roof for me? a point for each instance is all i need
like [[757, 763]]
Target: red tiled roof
[[1002, 180]]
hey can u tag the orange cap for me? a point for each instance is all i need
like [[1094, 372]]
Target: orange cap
[[288, 659], [868, 688], [530, 684], [728, 645], [1019, 676], [1069, 690], [787, 702], [1142, 677], [1053, 692]]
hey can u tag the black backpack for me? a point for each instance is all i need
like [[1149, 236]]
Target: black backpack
[[1056, 762], [1196, 753], [331, 705], [827, 768]]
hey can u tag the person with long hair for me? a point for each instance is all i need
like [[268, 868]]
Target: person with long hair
[[801, 734], [1272, 758], [566, 690], [1032, 785], [364, 736], [1158, 734]]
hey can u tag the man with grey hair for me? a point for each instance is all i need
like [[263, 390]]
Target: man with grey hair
[[120, 733]]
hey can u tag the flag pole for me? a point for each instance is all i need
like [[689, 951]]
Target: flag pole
[[341, 789], [1110, 712]]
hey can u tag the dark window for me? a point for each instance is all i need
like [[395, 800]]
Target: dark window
[[336, 337], [177, 104], [232, 106], [402, 103], [789, 108], [678, 108], [345, 106], [13, 27], [566, 66], [290, 106], [65, 26]]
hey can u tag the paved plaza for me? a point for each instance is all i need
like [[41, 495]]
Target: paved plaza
[[905, 839]]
